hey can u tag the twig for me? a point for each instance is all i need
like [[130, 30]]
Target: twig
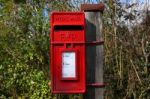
[[136, 72]]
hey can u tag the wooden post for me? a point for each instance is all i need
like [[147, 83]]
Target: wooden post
[[94, 53]]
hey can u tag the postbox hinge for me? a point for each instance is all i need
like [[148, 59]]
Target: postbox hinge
[[98, 85]]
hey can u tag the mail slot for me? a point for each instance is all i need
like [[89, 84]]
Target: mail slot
[[67, 55]]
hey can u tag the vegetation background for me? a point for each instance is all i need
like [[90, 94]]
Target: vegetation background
[[24, 49]]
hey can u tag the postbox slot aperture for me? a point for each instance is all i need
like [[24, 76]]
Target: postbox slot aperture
[[68, 27]]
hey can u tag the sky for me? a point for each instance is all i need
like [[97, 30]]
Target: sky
[[139, 1]]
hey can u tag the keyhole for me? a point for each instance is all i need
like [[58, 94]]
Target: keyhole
[[68, 45]]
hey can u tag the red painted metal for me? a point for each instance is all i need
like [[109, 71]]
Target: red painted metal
[[95, 43], [67, 28], [96, 85], [81, 43]]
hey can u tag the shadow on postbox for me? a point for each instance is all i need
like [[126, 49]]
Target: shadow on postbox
[[67, 54]]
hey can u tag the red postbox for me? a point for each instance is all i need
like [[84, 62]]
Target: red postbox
[[67, 52]]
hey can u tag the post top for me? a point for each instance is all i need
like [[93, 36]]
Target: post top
[[92, 7]]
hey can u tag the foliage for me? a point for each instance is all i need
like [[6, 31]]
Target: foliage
[[24, 51], [126, 53]]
